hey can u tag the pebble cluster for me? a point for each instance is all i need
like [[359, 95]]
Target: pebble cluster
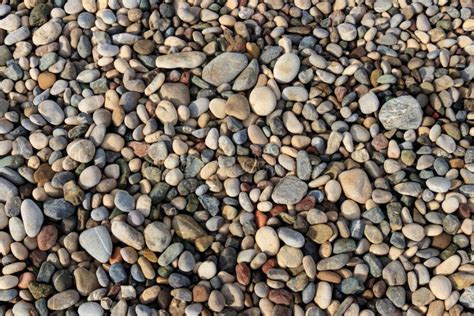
[[236, 157]]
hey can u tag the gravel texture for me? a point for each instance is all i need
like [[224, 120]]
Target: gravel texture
[[231, 157]]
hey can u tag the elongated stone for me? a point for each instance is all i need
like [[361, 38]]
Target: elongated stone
[[180, 60]]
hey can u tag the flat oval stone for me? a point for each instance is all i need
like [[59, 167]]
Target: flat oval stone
[[90, 309], [262, 100], [356, 185], [51, 112], [58, 209], [90, 177], [267, 240], [157, 236], [32, 217], [128, 235], [7, 190], [286, 67], [438, 184], [224, 68], [413, 231], [81, 150], [47, 33], [63, 300], [181, 60], [291, 237], [187, 228]]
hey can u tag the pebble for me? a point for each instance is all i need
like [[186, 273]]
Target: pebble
[[181, 60], [441, 287], [124, 201], [63, 300], [32, 217], [289, 190], [286, 67], [81, 150], [413, 231], [356, 185], [267, 240], [51, 112], [275, 158], [369, 103], [97, 242], [347, 32], [262, 101], [157, 236], [438, 184], [401, 113], [224, 68], [47, 33]]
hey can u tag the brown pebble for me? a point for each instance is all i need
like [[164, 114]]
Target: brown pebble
[[200, 293], [329, 276], [46, 80], [280, 296], [306, 204], [271, 263]]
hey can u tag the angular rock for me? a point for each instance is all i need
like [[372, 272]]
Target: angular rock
[[187, 228], [289, 190]]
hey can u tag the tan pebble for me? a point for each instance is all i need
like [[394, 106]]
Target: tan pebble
[[46, 80]]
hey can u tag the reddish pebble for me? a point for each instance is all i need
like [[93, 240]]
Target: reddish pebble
[[277, 209], [25, 279], [271, 263], [260, 219], [47, 237], [200, 293], [306, 204], [243, 273], [282, 297], [116, 256], [37, 257], [380, 142], [139, 149]]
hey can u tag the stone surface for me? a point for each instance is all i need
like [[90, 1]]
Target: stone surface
[[97, 242], [224, 68], [356, 185], [32, 217], [401, 113], [289, 190], [157, 236], [181, 60]]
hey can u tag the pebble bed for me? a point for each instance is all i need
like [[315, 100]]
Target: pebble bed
[[236, 157]]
